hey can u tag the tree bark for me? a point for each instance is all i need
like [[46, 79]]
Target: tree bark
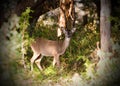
[[105, 25], [67, 15]]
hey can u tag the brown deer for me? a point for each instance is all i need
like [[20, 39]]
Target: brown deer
[[43, 47]]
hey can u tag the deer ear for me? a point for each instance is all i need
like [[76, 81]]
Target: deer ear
[[73, 30]]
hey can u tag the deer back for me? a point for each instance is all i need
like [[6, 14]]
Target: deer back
[[47, 47]]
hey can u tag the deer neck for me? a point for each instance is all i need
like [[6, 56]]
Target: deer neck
[[66, 42], [65, 45]]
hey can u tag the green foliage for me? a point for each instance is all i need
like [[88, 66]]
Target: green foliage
[[50, 71], [115, 28], [24, 23], [24, 19]]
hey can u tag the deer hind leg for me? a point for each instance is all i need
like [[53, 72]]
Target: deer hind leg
[[34, 57], [56, 60], [38, 62]]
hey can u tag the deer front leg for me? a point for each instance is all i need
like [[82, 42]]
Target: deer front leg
[[38, 62], [34, 57], [56, 60]]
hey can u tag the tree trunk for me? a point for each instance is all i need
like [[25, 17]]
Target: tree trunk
[[105, 25], [67, 15]]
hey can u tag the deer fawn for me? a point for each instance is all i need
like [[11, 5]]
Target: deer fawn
[[43, 47]]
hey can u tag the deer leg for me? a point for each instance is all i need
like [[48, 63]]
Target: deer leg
[[34, 57], [38, 62], [56, 60]]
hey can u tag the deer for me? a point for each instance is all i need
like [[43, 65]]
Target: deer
[[43, 47]]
